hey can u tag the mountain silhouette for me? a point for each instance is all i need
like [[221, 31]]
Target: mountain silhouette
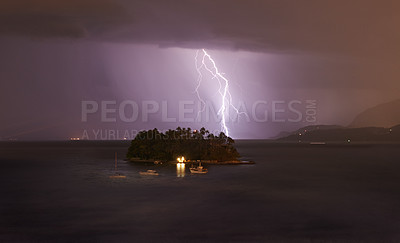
[[383, 115], [345, 134], [309, 128]]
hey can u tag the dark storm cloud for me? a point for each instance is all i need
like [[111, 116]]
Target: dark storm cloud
[[47, 18], [358, 27]]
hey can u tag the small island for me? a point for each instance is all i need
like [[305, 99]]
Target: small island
[[194, 145]]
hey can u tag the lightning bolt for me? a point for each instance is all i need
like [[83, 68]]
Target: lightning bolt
[[226, 97]]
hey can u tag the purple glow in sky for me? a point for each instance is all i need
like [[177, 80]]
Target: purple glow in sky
[[277, 55], [59, 76]]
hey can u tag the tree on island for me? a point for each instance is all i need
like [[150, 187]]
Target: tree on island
[[192, 144]]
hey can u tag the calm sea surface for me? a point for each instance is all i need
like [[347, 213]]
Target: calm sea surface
[[61, 192]]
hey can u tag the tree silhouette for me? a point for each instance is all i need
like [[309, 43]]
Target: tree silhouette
[[193, 144]]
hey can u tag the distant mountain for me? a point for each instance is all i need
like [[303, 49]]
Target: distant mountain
[[383, 115], [342, 134], [306, 129], [395, 129]]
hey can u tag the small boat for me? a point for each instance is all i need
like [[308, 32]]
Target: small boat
[[116, 174], [149, 172], [198, 170]]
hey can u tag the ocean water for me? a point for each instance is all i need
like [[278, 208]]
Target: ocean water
[[61, 192]]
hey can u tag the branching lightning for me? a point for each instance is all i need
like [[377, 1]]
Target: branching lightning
[[207, 63]]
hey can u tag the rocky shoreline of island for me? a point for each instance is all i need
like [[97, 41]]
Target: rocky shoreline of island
[[205, 162]]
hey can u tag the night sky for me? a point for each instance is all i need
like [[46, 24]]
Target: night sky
[[56, 54]]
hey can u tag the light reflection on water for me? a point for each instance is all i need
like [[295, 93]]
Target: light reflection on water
[[180, 170]]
